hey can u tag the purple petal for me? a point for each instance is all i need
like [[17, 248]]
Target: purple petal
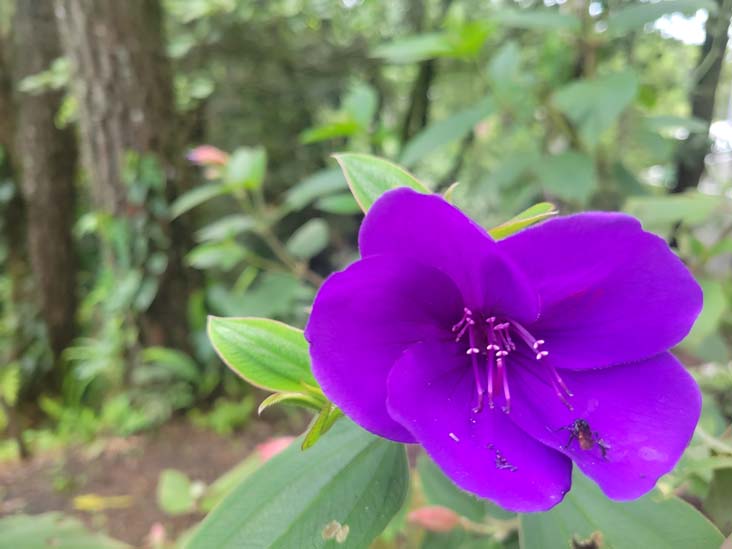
[[431, 392], [427, 228], [363, 318], [609, 291], [644, 413]]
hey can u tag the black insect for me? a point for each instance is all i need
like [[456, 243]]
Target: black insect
[[587, 439]]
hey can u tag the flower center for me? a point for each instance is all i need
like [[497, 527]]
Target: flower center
[[490, 343]]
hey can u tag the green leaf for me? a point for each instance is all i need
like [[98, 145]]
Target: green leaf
[[414, 48], [51, 530], [595, 104], [444, 132], [226, 227], [265, 353], [313, 402], [229, 480], [715, 305], [530, 216], [636, 16], [350, 477], [569, 175], [225, 254], [717, 503], [319, 184], [330, 130], [309, 240], [174, 361], [369, 177], [691, 124], [360, 104], [246, 168], [650, 522], [328, 415], [659, 213], [537, 19], [440, 490], [343, 204], [196, 197], [174, 493]]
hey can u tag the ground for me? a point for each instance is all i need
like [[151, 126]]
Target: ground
[[125, 467]]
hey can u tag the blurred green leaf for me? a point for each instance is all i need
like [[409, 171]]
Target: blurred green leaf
[[174, 361], [360, 103], [636, 15], [537, 19], [196, 197], [51, 530], [369, 177], [319, 184], [174, 493], [350, 479], [715, 305], [444, 132], [530, 216], [670, 122], [651, 521], [343, 204], [226, 227], [330, 130], [569, 175], [595, 104], [265, 353], [309, 240], [246, 168], [225, 255], [414, 48], [659, 213], [717, 503]]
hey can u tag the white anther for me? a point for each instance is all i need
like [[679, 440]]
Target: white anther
[[541, 354], [538, 343], [502, 353], [472, 351], [454, 437], [493, 347]]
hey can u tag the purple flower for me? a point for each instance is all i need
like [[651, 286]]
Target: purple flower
[[509, 360]]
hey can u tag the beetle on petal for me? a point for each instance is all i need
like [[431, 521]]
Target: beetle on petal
[[481, 351]]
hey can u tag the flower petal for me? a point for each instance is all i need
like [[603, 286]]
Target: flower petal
[[362, 320], [429, 229], [645, 413], [431, 392], [609, 291]]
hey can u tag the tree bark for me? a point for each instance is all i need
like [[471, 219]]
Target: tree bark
[[46, 156], [124, 91], [690, 154]]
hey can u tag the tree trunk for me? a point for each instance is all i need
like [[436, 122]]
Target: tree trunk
[[691, 153], [46, 157], [124, 91]]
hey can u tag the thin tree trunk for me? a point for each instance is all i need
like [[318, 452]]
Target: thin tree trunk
[[47, 160], [691, 153], [123, 86]]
